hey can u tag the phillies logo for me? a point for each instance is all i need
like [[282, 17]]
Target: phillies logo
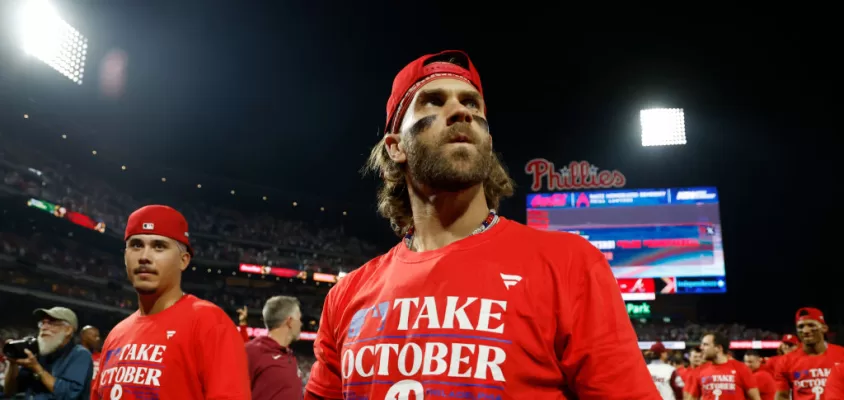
[[403, 390], [576, 175]]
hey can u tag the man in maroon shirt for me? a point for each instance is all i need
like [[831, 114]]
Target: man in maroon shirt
[[272, 366]]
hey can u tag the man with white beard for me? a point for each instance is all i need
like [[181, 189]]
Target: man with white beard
[[61, 370]]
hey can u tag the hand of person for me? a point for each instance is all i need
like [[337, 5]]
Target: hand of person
[[30, 362], [242, 315]]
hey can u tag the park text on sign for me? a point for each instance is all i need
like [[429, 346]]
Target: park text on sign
[[638, 310], [576, 175]]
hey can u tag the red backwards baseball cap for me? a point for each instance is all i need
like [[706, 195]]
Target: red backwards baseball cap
[[790, 339], [159, 220], [809, 313], [421, 71]]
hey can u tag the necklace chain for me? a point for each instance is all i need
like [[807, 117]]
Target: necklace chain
[[491, 219]]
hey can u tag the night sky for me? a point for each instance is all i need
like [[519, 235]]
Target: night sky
[[285, 101]]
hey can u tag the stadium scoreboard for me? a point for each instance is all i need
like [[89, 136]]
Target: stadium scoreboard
[[657, 241]]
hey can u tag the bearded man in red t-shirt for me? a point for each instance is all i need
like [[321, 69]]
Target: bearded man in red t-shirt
[[453, 309]]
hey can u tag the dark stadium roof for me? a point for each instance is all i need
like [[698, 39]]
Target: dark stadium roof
[[285, 100]]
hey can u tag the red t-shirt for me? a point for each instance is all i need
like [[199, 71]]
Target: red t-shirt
[[805, 375], [509, 313], [96, 358], [767, 387], [835, 383], [771, 364], [727, 381], [190, 351]]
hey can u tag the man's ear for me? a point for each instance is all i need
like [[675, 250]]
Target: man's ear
[[395, 148]]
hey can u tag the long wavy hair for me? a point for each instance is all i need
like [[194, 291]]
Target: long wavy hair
[[394, 198]]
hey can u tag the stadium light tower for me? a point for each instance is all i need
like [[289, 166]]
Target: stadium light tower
[[47, 37], [663, 127]]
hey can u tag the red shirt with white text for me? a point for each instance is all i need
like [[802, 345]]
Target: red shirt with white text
[[511, 313], [727, 381], [190, 351], [805, 375]]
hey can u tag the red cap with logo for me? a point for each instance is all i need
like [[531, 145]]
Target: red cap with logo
[[159, 220], [809, 313], [658, 348], [421, 71], [790, 339]]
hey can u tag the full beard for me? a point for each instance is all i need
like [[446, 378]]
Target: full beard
[[48, 345], [437, 168]]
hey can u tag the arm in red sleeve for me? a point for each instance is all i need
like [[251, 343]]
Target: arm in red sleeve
[[782, 377], [835, 383], [221, 359], [325, 381], [600, 356], [748, 381], [244, 334]]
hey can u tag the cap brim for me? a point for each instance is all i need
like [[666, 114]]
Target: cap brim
[[40, 313]]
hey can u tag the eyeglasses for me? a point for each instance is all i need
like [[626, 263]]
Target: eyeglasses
[[51, 324]]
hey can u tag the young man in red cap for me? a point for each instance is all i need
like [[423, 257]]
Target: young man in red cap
[[175, 346], [804, 371], [468, 304], [721, 378]]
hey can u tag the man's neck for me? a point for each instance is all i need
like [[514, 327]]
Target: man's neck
[[444, 218], [154, 303], [720, 359], [816, 348], [281, 336]]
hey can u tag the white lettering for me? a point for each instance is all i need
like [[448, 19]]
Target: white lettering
[[456, 360], [429, 312], [131, 375], [452, 312], [359, 362], [486, 314], [434, 352], [404, 311], [415, 361]]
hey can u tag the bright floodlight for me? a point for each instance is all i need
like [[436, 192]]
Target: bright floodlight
[[49, 38], [663, 127]]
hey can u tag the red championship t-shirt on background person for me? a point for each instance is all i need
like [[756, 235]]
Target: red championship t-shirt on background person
[[806, 375], [727, 381], [512, 313], [766, 384], [174, 354]]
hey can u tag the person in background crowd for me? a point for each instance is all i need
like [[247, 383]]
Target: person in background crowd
[[721, 378], [835, 383], [803, 372], [788, 344], [175, 346], [668, 382], [273, 368], [448, 309], [89, 338], [62, 370], [695, 361], [765, 380]]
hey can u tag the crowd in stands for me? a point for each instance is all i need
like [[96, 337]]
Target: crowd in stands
[[690, 331], [260, 239]]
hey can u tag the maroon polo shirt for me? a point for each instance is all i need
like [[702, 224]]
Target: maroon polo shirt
[[273, 370]]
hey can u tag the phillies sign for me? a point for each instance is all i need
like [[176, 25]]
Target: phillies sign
[[576, 175]]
